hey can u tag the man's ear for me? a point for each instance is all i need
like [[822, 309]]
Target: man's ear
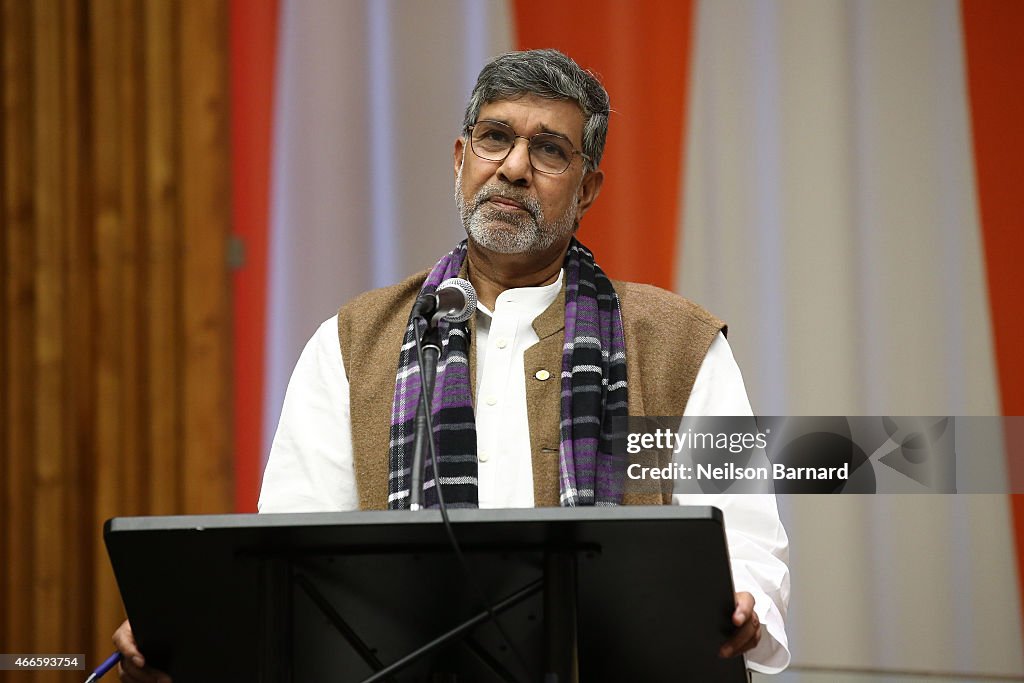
[[460, 150], [589, 189]]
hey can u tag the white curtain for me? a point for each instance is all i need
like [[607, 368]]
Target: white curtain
[[829, 215], [370, 96]]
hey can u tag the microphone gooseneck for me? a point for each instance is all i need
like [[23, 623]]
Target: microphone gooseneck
[[427, 350]]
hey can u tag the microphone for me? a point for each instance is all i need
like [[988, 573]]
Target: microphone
[[454, 300]]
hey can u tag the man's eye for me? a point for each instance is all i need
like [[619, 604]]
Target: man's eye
[[496, 136], [552, 150]]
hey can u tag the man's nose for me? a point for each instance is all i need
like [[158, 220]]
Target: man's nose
[[516, 168]]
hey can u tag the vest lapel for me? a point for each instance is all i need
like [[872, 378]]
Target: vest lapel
[[542, 365]]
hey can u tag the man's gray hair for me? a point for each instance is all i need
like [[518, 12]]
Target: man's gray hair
[[550, 74]]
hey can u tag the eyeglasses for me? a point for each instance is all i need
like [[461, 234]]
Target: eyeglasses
[[549, 153]]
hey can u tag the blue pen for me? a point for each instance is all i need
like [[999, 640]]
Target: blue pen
[[103, 668]]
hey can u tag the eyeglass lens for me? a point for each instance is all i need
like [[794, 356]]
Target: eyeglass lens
[[549, 153]]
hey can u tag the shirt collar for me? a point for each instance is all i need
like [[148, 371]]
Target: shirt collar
[[532, 301]]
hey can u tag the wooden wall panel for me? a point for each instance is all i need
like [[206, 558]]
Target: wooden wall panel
[[110, 491], [205, 192], [79, 447], [163, 272], [18, 374], [114, 339], [49, 473]]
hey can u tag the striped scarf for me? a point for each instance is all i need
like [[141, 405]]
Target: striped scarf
[[594, 391]]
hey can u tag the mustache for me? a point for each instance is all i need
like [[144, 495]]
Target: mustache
[[485, 194]]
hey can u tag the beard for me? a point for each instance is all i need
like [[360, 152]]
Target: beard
[[510, 231]]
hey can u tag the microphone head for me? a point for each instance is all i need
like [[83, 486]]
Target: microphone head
[[468, 292]]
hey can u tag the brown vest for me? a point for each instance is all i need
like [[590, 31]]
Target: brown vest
[[667, 338]]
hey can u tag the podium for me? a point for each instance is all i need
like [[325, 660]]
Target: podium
[[590, 594]]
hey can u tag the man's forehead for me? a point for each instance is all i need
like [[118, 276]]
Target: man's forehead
[[539, 114]]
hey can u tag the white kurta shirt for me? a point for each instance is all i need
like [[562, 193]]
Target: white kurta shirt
[[310, 468]]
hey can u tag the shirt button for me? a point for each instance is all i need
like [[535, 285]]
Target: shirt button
[[491, 401], [542, 375], [482, 456], [501, 343]]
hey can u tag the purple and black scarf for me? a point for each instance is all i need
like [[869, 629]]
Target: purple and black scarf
[[594, 391]]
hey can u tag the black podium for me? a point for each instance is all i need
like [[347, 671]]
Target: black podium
[[622, 593]]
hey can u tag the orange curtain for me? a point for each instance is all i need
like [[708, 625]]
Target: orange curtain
[[995, 78], [253, 42], [641, 52]]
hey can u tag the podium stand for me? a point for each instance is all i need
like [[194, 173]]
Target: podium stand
[[590, 594]]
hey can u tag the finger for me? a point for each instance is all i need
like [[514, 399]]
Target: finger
[[744, 608], [130, 673], [746, 638], [134, 674], [126, 676], [132, 668], [124, 641]]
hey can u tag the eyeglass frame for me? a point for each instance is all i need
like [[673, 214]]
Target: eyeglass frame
[[529, 143]]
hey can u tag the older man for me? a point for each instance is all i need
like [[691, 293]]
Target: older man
[[555, 351]]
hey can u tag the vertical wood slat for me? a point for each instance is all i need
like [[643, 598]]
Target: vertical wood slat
[[49, 479], [163, 259], [82, 313], [127, 55], [18, 314], [4, 532], [77, 347], [204, 88], [104, 35]]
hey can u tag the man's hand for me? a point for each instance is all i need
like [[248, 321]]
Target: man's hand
[[748, 628], [133, 667]]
